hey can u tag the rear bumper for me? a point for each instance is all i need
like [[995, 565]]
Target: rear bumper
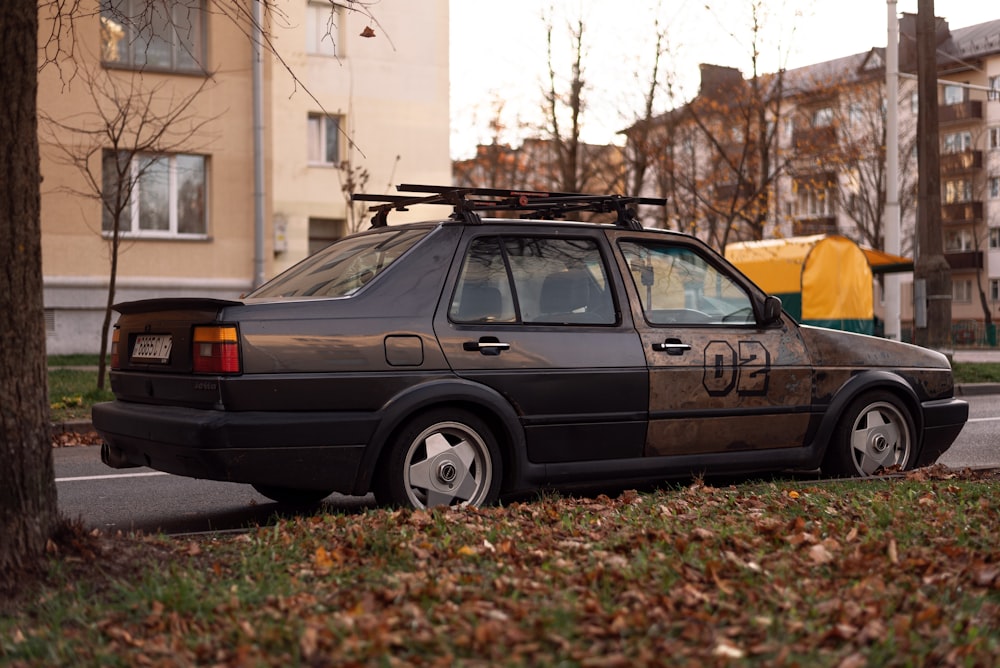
[[308, 450], [943, 421]]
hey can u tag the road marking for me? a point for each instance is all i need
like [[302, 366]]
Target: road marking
[[992, 419], [112, 476]]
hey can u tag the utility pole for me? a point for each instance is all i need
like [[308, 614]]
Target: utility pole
[[931, 272], [890, 235]]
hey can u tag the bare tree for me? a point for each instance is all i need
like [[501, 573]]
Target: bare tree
[[114, 146], [28, 511]]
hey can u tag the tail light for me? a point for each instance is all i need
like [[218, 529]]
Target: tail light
[[115, 360], [216, 349]]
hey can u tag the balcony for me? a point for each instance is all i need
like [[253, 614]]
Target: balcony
[[963, 161], [965, 260], [962, 212], [962, 112], [803, 227], [815, 139]]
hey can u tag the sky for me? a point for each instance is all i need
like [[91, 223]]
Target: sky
[[498, 51]]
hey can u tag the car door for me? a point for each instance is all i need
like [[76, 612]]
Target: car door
[[537, 317], [719, 381]]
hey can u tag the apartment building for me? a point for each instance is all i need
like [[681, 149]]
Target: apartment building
[[149, 129], [802, 152]]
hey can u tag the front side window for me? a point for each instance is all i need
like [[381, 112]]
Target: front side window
[[342, 268], [324, 139], [153, 34], [533, 280], [676, 285], [154, 194]]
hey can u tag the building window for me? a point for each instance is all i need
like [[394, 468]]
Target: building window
[[994, 185], [161, 195], [994, 85], [914, 103], [994, 238], [995, 290], [995, 137], [961, 291], [956, 142], [324, 36], [324, 140], [954, 94], [814, 203], [958, 241], [957, 191], [153, 34], [822, 118], [856, 114]]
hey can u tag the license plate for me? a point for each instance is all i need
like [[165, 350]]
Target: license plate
[[151, 348]]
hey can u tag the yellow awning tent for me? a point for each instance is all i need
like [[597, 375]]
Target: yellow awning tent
[[824, 279]]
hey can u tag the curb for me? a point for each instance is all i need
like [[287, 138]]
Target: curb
[[976, 389]]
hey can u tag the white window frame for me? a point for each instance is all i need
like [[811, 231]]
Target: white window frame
[[994, 238], [994, 88], [957, 191], [959, 241], [953, 94], [319, 128], [128, 34], [133, 226], [994, 137], [822, 117], [961, 291], [324, 29], [956, 142], [814, 203]]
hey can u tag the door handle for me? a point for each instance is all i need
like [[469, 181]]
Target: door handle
[[672, 347], [487, 345]]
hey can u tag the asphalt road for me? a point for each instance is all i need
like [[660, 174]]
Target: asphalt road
[[149, 501]]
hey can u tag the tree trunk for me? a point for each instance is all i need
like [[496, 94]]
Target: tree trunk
[[28, 511]]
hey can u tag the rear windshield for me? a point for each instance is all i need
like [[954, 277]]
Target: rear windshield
[[343, 268]]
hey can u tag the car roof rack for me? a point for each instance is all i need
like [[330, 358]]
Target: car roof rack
[[468, 202]]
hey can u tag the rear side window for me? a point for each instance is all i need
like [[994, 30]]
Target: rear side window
[[532, 280], [343, 268]]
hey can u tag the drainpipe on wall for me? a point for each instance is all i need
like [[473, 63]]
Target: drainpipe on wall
[[258, 146]]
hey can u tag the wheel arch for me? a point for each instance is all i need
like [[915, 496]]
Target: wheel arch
[[484, 402], [859, 384]]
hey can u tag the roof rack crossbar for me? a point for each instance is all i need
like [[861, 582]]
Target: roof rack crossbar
[[467, 201]]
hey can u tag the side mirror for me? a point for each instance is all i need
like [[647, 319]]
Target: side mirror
[[772, 310]]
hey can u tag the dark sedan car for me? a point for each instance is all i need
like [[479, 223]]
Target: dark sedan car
[[455, 361]]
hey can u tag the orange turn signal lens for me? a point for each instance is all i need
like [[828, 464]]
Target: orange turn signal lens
[[216, 349]]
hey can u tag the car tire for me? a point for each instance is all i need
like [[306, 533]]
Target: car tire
[[292, 496], [875, 432], [442, 458]]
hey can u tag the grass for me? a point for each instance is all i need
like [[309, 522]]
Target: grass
[[881, 572]]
